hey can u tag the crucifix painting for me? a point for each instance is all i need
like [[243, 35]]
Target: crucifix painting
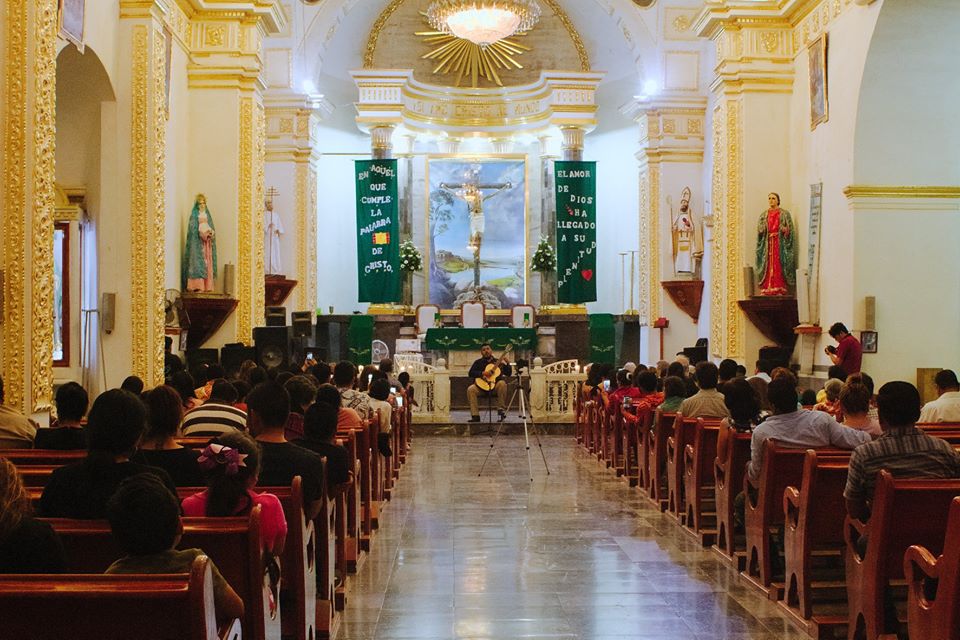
[[477, 228]]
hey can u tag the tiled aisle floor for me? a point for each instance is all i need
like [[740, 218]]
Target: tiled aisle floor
[[576, 554]]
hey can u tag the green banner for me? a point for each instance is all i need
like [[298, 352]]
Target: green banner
[[576, 232], [603, 334], [378, 231], [458, 339]]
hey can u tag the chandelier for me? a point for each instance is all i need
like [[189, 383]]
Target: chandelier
[[483, 22]]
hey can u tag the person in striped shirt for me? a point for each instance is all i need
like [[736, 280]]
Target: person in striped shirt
[[216, 416], [902, 449]]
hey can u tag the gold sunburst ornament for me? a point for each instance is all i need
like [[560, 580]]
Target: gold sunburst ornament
[[472, 37]]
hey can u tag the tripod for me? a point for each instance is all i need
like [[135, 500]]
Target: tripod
[[521, 392]]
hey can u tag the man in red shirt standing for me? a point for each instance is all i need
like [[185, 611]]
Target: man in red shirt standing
[[848, 354]]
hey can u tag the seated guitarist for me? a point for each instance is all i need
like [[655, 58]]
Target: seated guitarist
[[496, 383]]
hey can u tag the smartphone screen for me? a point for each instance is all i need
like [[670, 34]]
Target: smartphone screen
[[393, 389], [606, 385], [310, 356], [369, 378], [399, 401]]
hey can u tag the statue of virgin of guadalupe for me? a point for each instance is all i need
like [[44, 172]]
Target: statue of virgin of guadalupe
[[776, 250], [200, 255]]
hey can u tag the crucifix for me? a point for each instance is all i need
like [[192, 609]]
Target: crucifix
[[472, 193]]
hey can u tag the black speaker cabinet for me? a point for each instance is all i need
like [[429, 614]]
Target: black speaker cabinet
[[273, 346], [778, 356], [302, 325], [276, 316], [198, 358], [234, 355]]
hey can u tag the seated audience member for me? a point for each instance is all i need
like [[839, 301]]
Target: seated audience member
[[624, 388], [114, 427], [649, 398], [269, 406], [867, 381], [741, 371], [783, 372], [902, 449], [211, 374], [171, 361], [368, 375], [346, 417], [184, 384], [763, 369], [379, 393], [726, 371], [808, 398], [848, 354], [833, 373], [145, 521], [855, 406], [231, 467], [17, 431], [794, 427], [404, 379], [682, 371], [133, 384], [759, 386], [744, 408], [245, 368], [257, 375], [159, 447], [946, 408], [243, 388], [386, 368], [321, 371], [26, 545], [67, 434], [831, 402], [217, 415], [707, 402], [319, 436], [283, 377], [302, 393], [345, 378], [674, 392], [662, 366]]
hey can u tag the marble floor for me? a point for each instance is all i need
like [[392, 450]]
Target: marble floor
[[573, 554]]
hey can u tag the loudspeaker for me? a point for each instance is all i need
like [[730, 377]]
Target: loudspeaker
[[108, 312], [273, 346], [778, 356], [197, 358], [229, 278], [276, 316], [302, 325], [234, 355], [870, 313]]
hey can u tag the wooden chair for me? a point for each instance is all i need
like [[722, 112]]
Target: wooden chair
[[657, 457], [147, 607], [813, 541], [683, 432], [728, 473], [938, 617], [699, 486], [473, 315], [234, 544], [905, 513]]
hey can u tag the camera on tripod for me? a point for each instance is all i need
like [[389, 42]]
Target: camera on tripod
[[522, 366]]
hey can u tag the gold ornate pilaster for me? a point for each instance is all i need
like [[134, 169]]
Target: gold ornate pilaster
[[302, 226], [27, 186], [245, 225]]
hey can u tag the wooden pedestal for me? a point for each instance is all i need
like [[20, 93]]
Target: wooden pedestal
[[277, 289], [774, 316], [207, 313], [686, 294]]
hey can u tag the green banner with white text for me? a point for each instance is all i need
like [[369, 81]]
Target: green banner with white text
[[378, 231], [576, 232]]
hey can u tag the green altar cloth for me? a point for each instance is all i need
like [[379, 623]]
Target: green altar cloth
[[603, 336], [360, 338], [456, 339]]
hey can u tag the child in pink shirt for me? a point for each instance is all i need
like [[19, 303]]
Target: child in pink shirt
[[231, 466]]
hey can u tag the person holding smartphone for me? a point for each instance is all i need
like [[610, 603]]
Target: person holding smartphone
[[848, 354]]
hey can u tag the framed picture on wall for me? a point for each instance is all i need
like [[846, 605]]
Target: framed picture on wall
[[819, 105], [70, 21], [868, 340]]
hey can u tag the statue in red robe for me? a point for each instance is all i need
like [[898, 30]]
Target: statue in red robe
[[776, 250]]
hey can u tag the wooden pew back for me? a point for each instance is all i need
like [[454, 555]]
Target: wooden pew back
[[147, 607], [728, 473], [42, 457], [659, 433], [940, 617], [684, 430], [699, 457]]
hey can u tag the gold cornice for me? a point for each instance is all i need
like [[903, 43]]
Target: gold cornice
[[387, 13], [890, 191]]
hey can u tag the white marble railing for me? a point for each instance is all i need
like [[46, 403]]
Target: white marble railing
[[431, 386], [553, 389]]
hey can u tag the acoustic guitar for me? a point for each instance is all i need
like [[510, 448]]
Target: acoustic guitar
[[491, 373]]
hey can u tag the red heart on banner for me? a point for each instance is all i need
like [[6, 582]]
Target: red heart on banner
[[587, 274]]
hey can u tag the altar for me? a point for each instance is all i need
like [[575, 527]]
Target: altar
[[499, 339]]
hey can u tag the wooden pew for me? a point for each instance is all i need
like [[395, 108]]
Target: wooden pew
[[361, 437], [643, 441], [782, 467], [938, 617], [683, 432], [325, 551], [350, 511], [36, 475], [634, 461], [728, 474], [904, 513], [42, 457], [660, 432], [234, 545], [813, 541], [146, 607], [699, 489]]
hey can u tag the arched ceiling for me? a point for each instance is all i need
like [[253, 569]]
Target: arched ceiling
[[334, 35]]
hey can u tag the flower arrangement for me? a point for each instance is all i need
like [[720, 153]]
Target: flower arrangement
[[410, 258], [544, 258]]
